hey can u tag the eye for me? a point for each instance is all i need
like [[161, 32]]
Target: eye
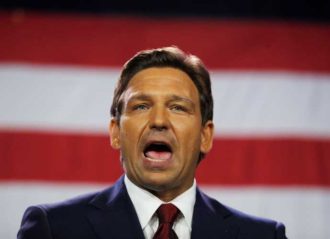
[[140, 107], [178, 108]]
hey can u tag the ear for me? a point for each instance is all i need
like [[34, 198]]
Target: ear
[[114, 132], [207, 137]]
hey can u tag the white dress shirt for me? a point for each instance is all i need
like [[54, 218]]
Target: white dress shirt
[[146, 204]]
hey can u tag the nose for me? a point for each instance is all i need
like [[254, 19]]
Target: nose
[[159, 118]]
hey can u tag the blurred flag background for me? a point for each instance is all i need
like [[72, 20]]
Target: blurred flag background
[[270, 67]]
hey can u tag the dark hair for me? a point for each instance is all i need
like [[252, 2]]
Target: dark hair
[[167, 57]]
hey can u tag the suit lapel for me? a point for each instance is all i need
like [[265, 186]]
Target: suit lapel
[[211, 222], [112, 214]]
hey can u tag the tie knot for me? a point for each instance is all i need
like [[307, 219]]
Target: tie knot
[[167, 213]]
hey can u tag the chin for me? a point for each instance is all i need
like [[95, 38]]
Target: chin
[[159, 183]]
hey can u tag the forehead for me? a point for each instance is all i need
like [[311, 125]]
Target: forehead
[[163, 79]]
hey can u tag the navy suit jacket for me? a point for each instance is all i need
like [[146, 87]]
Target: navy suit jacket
[[111, 214]]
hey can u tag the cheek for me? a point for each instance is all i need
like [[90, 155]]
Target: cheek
[[130, 131], [188, 133]]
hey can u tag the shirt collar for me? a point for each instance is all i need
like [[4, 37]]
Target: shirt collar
[[184, 202]]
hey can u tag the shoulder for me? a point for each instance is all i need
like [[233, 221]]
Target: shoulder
[[64, 218], [47, 221], [250, 225], [74, 206], [68, 208], [247, 226]]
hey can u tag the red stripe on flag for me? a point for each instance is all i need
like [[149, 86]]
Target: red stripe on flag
[[110, 41], [88, 158], [268, 161]]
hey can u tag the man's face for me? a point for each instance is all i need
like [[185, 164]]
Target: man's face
[[160, 132]]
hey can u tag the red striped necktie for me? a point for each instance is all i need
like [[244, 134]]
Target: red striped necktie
[[167, 213]]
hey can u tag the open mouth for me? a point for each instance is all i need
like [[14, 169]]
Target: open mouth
[[158, 151]]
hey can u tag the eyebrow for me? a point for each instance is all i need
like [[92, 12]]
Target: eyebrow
[[171, 97], [141, 97], [180, 98]]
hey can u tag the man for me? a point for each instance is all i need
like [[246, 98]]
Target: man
[[162, 124]]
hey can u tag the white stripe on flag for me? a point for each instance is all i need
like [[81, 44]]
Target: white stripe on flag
[[246, 103]]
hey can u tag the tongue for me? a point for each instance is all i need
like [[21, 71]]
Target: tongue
[[161, 155]]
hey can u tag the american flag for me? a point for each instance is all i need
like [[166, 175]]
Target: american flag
[[271, 87]]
